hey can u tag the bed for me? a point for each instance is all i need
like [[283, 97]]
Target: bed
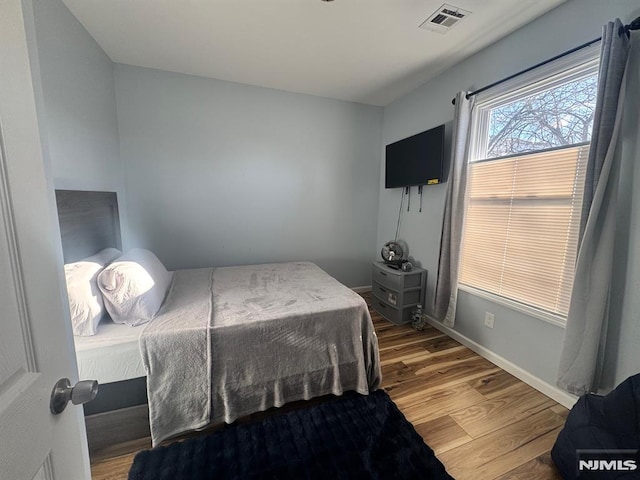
[[239, 339]]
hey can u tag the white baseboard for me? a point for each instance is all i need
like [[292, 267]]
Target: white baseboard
[[563, 398], [365, 289]]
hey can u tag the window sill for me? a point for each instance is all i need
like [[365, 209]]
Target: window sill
[[520, 307]]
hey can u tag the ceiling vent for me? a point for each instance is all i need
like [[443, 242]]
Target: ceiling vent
[[444, 19]]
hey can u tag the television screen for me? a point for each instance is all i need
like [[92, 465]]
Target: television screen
[[416, 160]]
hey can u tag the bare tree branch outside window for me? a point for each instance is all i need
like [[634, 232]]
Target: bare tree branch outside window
[[560, 116]]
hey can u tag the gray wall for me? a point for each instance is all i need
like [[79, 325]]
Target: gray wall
[[78, 110], [219, 173], [529, 343]]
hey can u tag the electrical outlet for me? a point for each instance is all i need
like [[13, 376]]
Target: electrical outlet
[[488, 319]]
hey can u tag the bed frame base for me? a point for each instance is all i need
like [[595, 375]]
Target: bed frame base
[[118, 395], [109, 432]]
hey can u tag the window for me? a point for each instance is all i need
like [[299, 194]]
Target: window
[[524, 193]]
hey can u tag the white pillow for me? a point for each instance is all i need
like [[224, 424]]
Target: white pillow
[[85, 299], [134, 287]]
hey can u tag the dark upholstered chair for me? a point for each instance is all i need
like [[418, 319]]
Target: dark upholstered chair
[[610, 422]]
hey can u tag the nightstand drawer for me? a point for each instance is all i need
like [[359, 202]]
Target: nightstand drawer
[[396, 279], [387, 278], [392, 314], [395, 298], [389, 296]]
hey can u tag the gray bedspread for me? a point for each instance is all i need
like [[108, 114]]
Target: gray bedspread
[[236, 340]]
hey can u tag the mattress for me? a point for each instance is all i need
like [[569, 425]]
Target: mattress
[[111, 355]]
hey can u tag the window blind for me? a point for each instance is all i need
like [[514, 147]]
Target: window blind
[[522, 225]]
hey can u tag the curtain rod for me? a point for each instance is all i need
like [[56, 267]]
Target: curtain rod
[[626, 29]]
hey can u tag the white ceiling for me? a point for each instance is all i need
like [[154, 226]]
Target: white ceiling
[[368, 51]]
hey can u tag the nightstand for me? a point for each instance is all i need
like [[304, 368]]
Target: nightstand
[[396, 293]]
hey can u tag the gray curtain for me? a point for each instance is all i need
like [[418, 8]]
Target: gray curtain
[[444, 308], [587, 319]]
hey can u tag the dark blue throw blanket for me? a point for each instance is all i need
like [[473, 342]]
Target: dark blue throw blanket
[[598, 423], [349, 437]]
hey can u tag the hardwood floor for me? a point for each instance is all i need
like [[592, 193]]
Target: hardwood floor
[[482, 422]]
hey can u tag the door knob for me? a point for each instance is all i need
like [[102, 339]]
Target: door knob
[[82, 392]]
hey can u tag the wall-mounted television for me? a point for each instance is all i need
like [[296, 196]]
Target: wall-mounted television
[[416, 160]]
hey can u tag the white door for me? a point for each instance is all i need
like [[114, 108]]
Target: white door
[[36, 345]]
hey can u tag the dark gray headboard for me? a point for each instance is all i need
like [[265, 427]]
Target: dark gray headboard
[[89, 222]]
